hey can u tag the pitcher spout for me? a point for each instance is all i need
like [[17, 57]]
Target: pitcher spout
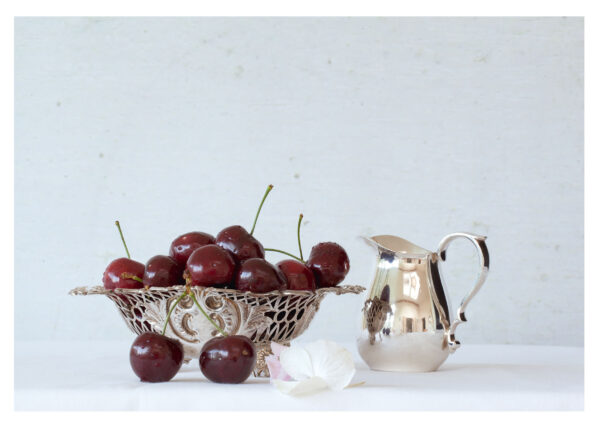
[[398, 246]]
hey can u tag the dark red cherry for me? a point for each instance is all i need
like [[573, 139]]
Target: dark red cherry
[[163, 271], [113, 277], [183, 246], [210, 265], [123, 273], [240, 243], [155, 358], [329, 262], [228, 359], [298, 275], [259, 276]]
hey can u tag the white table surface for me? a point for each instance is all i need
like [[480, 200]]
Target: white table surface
[[97, 376]]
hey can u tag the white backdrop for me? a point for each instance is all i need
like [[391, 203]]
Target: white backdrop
[[412, 127]]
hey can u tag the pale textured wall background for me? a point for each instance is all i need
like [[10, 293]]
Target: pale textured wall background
[[413, 127]]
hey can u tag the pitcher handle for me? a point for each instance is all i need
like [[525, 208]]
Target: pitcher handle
[[484, 261]]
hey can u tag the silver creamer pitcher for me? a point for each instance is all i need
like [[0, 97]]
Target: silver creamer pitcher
[[407, 323]]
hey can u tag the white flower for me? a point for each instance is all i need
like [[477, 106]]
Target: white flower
[[300, 370]]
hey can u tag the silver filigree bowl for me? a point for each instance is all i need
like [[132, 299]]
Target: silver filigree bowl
[[263, 317]]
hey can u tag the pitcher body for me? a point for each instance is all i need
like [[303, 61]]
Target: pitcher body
[[407, 324]]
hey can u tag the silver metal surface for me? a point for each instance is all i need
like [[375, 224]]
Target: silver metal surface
[[263, 317], [407, 325]]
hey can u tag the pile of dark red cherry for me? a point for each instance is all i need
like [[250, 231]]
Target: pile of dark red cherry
[[234, 259]]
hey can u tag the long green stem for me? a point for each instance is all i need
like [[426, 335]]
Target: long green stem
[[171, 311], [300, 244], [260, 207], [285, 253], [207, 317], [123, 238], [127, 275]]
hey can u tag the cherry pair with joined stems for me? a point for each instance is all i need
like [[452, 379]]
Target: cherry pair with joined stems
[[125, 273], [297, 274], [159, 271], [226, 359], [327, 265]]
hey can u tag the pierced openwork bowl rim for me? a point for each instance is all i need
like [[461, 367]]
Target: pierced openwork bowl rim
[[84, 290]]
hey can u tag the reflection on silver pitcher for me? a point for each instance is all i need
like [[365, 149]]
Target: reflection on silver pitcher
[[406, 324]]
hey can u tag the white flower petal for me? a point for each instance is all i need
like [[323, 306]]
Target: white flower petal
[[296, 362], [276, 371], [316, 366], [300, 388], [331, 362]]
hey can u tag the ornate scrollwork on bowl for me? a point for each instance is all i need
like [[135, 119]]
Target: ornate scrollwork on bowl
[[263, 317]]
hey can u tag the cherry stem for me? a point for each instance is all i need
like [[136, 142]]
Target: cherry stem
[[206, 315], [129, 276], [285, 253], [300, 244], [171, 311], [123, 238], [189, 293], [260, 207]]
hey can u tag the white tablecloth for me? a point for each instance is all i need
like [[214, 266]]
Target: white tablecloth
[[97, 376]]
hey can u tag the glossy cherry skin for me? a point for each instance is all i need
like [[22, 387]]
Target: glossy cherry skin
[[183, 246], [259, 276], [329, 262], [155, 358], [113, 275], [163, 271], [298, 275], [228, 359], [240, 243], [210, 265]]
